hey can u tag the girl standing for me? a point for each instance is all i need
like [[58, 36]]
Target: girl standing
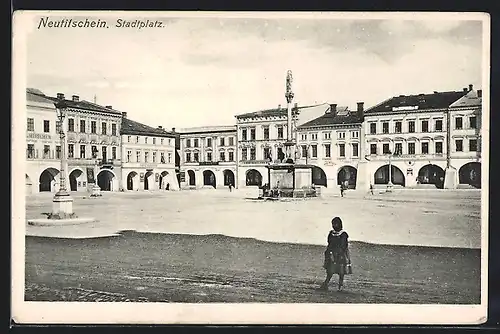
[[337, 256]]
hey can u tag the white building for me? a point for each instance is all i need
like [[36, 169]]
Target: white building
[[208, 157], [148, 157]]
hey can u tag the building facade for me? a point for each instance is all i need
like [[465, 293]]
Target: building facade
[[261, 139], [148, 157], [208, 157], [332, 144]]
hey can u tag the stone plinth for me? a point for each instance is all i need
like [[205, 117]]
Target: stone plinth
[[95, 191], [62, 206], [290, 180], [450, 178]]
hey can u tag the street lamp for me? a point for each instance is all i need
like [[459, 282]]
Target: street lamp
[[389, 184]]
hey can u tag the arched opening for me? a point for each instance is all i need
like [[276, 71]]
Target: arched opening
[[192, 178], [47, 179], [29, 185], [470, 173], [431, 174], [105, 180], [73, 179], [148, 180], [253, 178], [131, 180], [318, 176], [165, 181], [208, 178], [347, 176], [228, 177], [382, 175]]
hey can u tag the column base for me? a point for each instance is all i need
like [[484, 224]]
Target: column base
[[450, 178], [95, 191], [62, 206]]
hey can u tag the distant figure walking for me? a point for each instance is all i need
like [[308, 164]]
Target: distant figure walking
[[342, 190], [230, 187], [371, 188], [168, 186], [337, 255]]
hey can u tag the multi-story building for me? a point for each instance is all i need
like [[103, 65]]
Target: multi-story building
[[409, 133], [331, 143], [208, 156], [261, 138], [148, 157]]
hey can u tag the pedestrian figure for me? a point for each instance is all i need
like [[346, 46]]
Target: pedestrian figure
[[371, 188], [341, 190], [337, 255], [230, 187], [168, 186]]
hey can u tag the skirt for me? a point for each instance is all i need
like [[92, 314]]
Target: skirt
[[336, 264]]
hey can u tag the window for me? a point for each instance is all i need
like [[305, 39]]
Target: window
[[188, 157], [373, 149], [398, 149], [355, 149], [188, 142], [104, 151], [161, 141], [385, 149], [342, 150], [252, 153], [128, 139], [304, 151], [93, 151], [104, 128], [209, 156], [93, 127], [82, 126], [459, 145], [71, 125], [58, 127], [373, 128], [31, 151], [46, 151], [58, 152], [385, 127], [195, 142], [129, 156], [438, 126], [314, 136], [472, 145], [243, 134], [209, 142], [328, 151], [438, 147], [46, 126], [154, 157], [303, 136], [411, 148], [113, 129], [222, 140], [82, 151], [146, 140], [355, 134], [231, 141], [244, 154], [266, 132], [137, 139], [341, 135], [458, 123], [231, 156], [71, 150], [154, 141], [138, 156], [425, 148], [425, 126], [280, 132], [162, 157], [411, 126], [169, 158], [267, 153], [327, 135], [398, 127], [146, 156], [222, 156], [314, 151], [252, 134], [196, 157], [31, 124], [473, 122]]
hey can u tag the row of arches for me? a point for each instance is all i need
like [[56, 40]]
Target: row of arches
[[164, 182], [49, 177], [209, 178]]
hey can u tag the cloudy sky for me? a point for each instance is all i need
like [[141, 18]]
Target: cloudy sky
[[203, 71]]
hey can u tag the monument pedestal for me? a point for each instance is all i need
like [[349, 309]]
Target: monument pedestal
[[290, 180], [450, 178], [62, 206], [95, 191], [363, 178]]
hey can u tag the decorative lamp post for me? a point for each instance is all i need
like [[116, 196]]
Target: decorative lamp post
[[389, 184]]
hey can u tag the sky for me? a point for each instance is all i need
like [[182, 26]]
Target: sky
[[204, 71]]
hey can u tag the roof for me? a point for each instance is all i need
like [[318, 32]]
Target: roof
[[202, 129], [86, 105], [39, 98], [437, 100], [280, 111], [130, 127], [470, 100], [344, 117], [34, 91]]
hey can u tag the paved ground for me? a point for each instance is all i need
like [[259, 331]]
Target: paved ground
[[173, 264]]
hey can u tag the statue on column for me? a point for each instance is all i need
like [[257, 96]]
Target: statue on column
[[289, 80]]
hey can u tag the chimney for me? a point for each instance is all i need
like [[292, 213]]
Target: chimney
[[470, 87], [279, 106], [479, 93], [109, 107], [160, 127], [361, 110], [60, 96], [465, 89], [124, 114], [333, 108], [75, 98], [173, 129]]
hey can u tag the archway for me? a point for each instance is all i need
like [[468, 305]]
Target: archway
[[131, 180], [29, 185], [347, 174], [192, 178], [47, 179], [318, 176], [165, 181], [253, 178], [149, 181], [73, 179], [209, 178], [228, 177], [105, 180], [431, 174], [470, 173], [382, 175]]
